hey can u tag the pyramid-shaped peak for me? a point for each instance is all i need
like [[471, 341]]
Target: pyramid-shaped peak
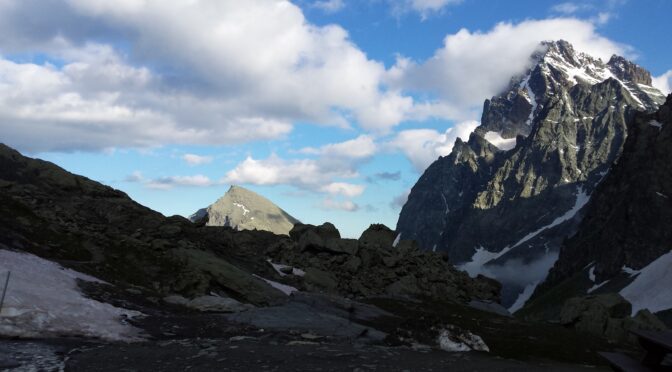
[[246, 210]]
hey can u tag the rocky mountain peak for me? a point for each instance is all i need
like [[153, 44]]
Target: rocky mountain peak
[[243, 209], [628, 71], [515, 189]]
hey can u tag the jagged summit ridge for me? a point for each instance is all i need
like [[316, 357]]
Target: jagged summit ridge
[[243, 209], [556, 67]]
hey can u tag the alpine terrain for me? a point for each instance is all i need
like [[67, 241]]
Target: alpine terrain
[[623, 243], [243, 209], [502, 202]]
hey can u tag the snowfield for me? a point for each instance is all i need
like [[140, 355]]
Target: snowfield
[[652, 288], [43, 300]]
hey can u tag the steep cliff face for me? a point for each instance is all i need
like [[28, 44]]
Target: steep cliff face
[[627, 228], [502, 203]]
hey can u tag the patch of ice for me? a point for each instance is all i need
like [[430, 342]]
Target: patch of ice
[[581, 199], [532, 98], [245, 210], [284, 288], [396, 240], [630, 271], [657, 124], [496, 139], [43, 300], [652, 288], [523, 297], [451, 339], [596, 286], [281, 269]]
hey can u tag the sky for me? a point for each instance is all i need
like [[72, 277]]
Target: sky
[[330, 108]]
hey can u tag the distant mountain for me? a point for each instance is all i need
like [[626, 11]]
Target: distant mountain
[[502, 202], [243, 209], [624, 243]]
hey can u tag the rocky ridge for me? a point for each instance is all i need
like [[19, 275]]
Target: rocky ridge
[[502, 202]]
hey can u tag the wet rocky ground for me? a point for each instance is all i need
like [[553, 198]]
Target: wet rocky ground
[[312, 332]]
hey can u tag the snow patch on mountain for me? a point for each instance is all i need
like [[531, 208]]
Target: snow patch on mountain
[[656, 124], [245, 210], [479, 259], [43, 300], [581, 199], [652, 288], [591, 276]]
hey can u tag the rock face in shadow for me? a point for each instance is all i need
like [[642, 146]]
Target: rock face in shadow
[[243, 209], [628, 220], [504, 200]]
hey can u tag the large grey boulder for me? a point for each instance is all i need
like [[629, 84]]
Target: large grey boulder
[[377, 236]]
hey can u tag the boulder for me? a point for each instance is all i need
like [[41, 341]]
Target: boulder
[[320, 279], [608, 316], [377, 236], [406, 286]]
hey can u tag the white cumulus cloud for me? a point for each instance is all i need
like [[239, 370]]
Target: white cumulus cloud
[[193, 159], [474, 65], [345, 205], [424, 146], [664, 82]]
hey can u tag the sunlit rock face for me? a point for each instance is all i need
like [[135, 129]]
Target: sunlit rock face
[[243, 209]]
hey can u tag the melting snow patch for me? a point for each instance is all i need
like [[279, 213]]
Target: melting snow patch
[[581, 199], [532, 98], [656, 124], [284, 288], [396, 240], [453, 339], [284, 270], [245, 210], [496, 139], [591, 276], [652, 288], [630, 271], [43, 300]]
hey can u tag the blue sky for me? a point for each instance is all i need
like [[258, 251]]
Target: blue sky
[[332, 109]]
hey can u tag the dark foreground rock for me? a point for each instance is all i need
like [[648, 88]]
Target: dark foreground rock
[[375, 264], [329, 339]]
